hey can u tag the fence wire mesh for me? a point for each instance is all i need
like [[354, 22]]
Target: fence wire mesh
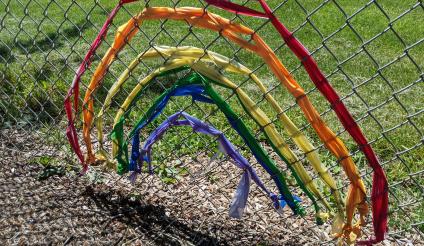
[[371, 52]]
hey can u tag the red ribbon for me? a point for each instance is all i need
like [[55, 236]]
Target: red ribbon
[[71, 132], [379, 195]]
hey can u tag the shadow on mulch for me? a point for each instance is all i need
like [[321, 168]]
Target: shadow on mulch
[[150, 220]]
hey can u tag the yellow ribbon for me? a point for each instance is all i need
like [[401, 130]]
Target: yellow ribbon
[[222, 62], [225, 63]]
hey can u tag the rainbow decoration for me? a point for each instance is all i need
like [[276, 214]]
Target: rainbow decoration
[[201, 74]]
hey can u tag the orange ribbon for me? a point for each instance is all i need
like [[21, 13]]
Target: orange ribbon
[[201, 18]]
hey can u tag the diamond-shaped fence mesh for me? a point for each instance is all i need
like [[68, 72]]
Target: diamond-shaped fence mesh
[[370, 51]]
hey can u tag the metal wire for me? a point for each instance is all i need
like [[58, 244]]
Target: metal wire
[[44, 200]]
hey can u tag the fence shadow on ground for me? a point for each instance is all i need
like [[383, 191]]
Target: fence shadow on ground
[[149, 219]]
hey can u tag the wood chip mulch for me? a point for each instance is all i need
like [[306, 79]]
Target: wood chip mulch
[[102, 208]]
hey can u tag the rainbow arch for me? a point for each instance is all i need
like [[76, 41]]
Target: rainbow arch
[[200, 18]]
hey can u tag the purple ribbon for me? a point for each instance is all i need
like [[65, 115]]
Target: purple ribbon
[[241, 194]]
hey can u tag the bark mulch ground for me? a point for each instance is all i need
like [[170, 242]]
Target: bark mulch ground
[[53, 205]]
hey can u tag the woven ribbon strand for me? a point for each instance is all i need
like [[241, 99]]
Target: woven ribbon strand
[[379, 194], [71, 132], [239, 200]]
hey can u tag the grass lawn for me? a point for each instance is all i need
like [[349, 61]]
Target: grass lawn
[[373, 54]]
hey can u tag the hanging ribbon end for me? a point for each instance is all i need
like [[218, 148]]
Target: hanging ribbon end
[[133, 177], [84, 170], [239, 201]]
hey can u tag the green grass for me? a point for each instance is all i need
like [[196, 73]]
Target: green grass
[[40, 49]]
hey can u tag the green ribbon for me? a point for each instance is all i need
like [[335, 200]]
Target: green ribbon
[[195, 78]]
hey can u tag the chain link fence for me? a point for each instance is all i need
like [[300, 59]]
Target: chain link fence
[[372, 54]]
